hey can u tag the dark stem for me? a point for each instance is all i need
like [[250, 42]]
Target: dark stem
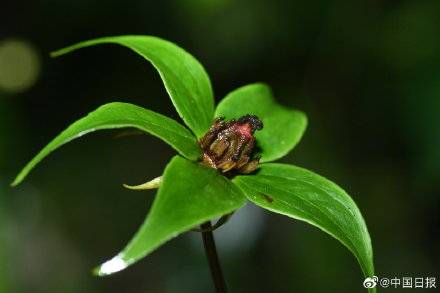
[[211, 254]]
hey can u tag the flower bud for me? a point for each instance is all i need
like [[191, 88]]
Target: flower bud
[[229, 145]]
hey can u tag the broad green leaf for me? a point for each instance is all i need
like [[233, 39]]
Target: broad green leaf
[[189, 195], [185, 79], [306, 196], [283, 127], [120, 115]]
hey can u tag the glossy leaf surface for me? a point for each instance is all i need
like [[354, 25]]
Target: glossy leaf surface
[[283, 127], [185, 79], [306, 196], [120, 115], [189, 195]]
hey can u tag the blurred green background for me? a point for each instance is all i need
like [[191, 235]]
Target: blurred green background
[[367, 73]]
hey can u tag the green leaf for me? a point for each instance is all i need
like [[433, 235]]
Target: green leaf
[[306, 196], [283, 127], [185, 79], [189, 195], [119, 115]]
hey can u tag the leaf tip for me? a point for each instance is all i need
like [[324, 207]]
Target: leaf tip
[[55, 54], [152, 184], [95, 272], [111, 266], [261, 84], [16, 181]]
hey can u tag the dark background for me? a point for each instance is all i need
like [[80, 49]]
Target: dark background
[[367, 73]]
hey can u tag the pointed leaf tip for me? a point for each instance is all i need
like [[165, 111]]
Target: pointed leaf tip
[[152, 184], [111, 266]]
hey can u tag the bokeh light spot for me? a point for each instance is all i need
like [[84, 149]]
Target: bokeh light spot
[[19, 65]]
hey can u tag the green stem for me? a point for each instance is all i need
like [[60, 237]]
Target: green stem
[[211, 254]]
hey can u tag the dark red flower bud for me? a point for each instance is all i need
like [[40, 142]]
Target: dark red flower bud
[[229, 145]]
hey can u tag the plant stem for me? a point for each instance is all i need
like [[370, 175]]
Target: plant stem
[[211, 254]]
